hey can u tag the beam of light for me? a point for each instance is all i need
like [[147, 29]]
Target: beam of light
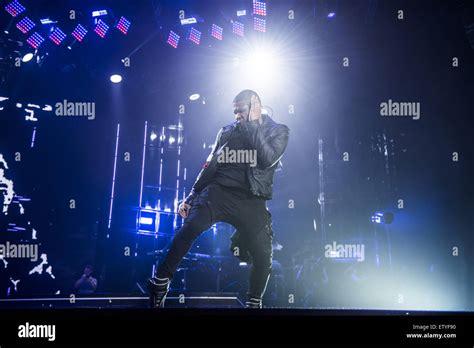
[[113, 176], [143, 164], [260, 66], [33, 136]]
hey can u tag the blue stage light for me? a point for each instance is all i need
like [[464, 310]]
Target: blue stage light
[[123, 25], [194, 36], [35, 40], [173, 39], [216, 32], [25, 25], [79, 32], [15, 8], [57, 36], [101, 28], [238, 28], [259, 8], [259, 24], [148, 221]]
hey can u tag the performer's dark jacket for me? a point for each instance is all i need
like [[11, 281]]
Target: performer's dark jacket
[[269, 139]]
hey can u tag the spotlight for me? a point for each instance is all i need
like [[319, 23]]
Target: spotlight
[[25, 25], [331, 14], [216, 32], [101, 28], [238, 28], [99, 13], [15, 8], [27, 57], [116, 78], [386, 218], [35, 40], [173, 39], [148, 220], [187, 21], [259, 8], [194, 97], [123, 25], [259, 24], [69, 47], [194, 36], [46, 21], [153, 136], [262, 62]]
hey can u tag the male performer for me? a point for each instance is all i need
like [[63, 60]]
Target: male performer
[[232, 188]]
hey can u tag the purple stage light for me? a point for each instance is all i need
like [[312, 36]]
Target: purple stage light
[[101, 28], [57, 36], [216, 32], [35, 40], [79, 32], [259, 24], [259, 8], [15, 8], [25, 25], [331, 14], [195, 36], [123, 25], [173, 39], [238, 28]]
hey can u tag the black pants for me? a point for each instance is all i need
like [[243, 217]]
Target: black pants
[[245, 212]]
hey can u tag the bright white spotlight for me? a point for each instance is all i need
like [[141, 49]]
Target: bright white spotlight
[[194, 97], [116, 78], [27, 57], [153, 136], [261, 65]]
